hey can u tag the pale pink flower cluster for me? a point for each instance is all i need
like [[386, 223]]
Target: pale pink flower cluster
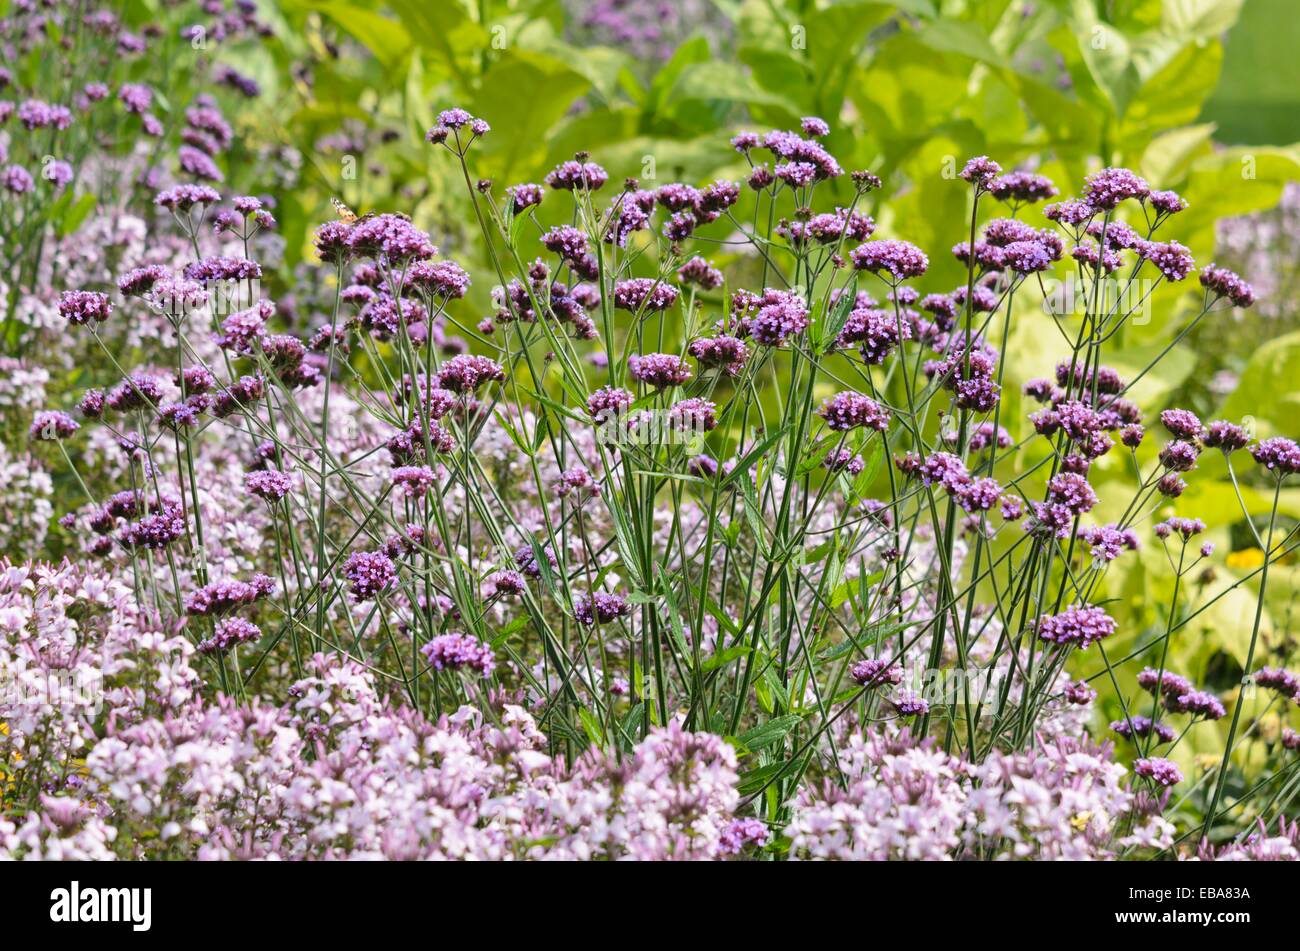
[[907, 799], [335, 772]]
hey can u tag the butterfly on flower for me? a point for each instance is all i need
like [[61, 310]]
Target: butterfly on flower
[[344, 212]]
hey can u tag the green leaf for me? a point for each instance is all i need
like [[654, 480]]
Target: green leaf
[[715, 80], [1205, 19], [632, 721], [674, 617], [1169, 156], [764, 735], [592, 726], [748, 460], [839, 316], [76, 213], [869, 638], [445, 29], [756, 779], [961, 37], [693, 51], [1259, 396], [1108, 55], [387, 39], [724, 657], [1257, 99], [523, 95]]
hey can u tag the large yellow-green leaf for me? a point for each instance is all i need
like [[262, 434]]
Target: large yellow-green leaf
[[1257, 100], [523, 95], [386, 38], [1267, 389]]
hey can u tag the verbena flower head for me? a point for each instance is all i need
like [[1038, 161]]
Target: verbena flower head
[[390, 238], [1073, 491], [843, 460], [851, 410], [701, 273], [1107, 188], [221, 268], [369, 574], [1170, 258], [1079, 693], [1076, 627], [1162, 772], [944, 469], [900, 258], [444, 279], [229, 633], [979, 495], [1279, 455], [526, 560], [457, 651], [794, 149], [1197, 703], [577, 482], [1026, 257], [1022, 187], [91, 405], [1071, 212], [269, 484], [909, 703], [779, 316], [35, 114], [695, 415], [52, 426], [185, 197], [702, 466], [659, 370], [600, 607], [1168, 683], [609, 401], [980, 171], [1182, 423], [1179, 455], [223, 597], [1166, 202], [333, 241], [743, 834], [1108, 542], [1178, 525], [876, 672], [814, 127], [829, 228], [139, 281], [1221, 283], [505, 583], [1282, 682], [646, 293], [876, 332], [576, 175], [414, 481], [466, 373], [1226, 436], [524, 196], [83, 307], [1134, 727], [726, 353]]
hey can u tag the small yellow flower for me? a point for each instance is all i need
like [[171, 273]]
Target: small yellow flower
[[1246, 558], [1080, 820]]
